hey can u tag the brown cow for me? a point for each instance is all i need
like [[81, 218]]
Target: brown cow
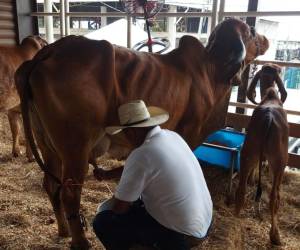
[[267, 138], [10, 59], [71, 90], [267, 77]]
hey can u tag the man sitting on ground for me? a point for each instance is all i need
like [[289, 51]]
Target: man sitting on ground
[[162, 199]]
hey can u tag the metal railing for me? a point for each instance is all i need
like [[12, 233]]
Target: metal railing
[[253, 106], [216, 16], [65, 15], [280, 63]]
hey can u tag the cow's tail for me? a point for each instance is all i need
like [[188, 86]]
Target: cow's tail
[[22, 83], [267, 127]]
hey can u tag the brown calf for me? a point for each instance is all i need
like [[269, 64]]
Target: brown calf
[[10, 59], [267, 138]]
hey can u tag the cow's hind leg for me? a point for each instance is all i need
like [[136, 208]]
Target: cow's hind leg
[[248, 163], [53, 176], [274, 203], [75, 169], [15, 125], [53, 190]]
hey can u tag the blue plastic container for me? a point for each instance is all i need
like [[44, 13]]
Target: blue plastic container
[[221, 157]]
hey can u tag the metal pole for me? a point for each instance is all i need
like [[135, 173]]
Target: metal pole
[[128, 31], [260, 13], [48, 22], [252, 6], [62, 18], [242, 90], [231, 170], [67, 18], [221, 11], [172, 26], [103, 18], [214, 15]]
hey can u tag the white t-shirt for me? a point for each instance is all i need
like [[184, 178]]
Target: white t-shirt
[[168, 177]]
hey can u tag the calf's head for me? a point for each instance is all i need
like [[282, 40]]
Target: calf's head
[[269, 72], [231, 46]]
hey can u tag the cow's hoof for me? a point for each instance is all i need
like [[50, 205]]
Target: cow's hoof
[[63, 232], [30, 159], [237, 211], [16, 153], [259, 217], [82, 245], [275, 237]]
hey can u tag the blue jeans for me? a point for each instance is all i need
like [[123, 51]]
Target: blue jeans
[[121, 231]]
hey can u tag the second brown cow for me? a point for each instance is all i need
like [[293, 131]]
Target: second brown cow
[[11, 57]]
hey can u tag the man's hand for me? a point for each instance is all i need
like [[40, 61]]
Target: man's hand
[[99, 174], [119, 206]]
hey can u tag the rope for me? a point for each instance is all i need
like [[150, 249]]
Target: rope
[[253, 70]]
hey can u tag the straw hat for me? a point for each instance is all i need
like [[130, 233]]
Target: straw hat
[[135, 114]]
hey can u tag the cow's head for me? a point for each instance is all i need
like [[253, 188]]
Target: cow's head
[[35, 41], [232, 45]]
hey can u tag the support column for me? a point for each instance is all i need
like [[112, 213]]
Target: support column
[[242, 90], [48, 21], [103, 18], [129, 21], [172, 27], [213, 20], [67, 18], [200, 26], [25, 23], [221, 11], [62, 18]]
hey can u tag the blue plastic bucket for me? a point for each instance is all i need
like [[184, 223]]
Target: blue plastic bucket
[[221, 157]]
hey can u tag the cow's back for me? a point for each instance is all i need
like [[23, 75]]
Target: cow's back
[[268, 129], [117, 75]]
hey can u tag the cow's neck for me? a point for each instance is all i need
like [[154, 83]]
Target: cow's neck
[[219, 87], [218, 108]]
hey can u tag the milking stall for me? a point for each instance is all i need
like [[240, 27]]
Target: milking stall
[[149, 124]]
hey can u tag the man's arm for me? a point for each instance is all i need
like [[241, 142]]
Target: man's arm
[[101, 174]]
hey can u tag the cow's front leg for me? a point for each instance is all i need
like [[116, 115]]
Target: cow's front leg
[[74, 173]]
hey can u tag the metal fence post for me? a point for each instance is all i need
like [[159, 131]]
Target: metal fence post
[[48, 21], [221, 11], [62, 18], [67, 18], [214, 15], [128, 31]]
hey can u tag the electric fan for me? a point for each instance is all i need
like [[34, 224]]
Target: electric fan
[[146, 10]]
